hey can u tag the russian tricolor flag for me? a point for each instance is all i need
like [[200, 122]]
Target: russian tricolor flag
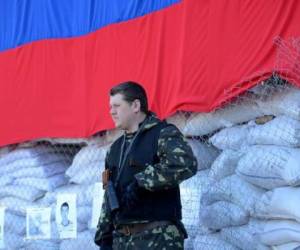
[[59, 58]]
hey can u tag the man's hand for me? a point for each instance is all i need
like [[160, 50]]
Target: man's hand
[[132, 195], [105, 246]]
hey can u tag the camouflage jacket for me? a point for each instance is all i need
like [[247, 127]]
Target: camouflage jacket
[[176, 163]]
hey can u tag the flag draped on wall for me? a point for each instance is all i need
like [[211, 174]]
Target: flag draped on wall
[[59, 58]]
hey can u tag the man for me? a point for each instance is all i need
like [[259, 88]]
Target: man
[[146, 165], [64, 212]]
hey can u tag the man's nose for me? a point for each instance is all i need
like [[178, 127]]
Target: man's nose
[[112, 111]]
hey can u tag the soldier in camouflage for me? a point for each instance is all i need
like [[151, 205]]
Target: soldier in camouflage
[[146, 165]]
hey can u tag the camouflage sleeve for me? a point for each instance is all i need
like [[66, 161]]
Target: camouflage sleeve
[[176, 162], [105, 226]]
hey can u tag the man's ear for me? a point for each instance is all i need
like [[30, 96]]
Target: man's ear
[[136, 105]]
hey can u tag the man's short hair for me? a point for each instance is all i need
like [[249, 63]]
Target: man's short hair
[[65, 204], [132, 91]]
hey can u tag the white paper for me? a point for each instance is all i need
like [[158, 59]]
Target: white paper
[[38, 224], [66, 215], [2, 211], [97, 203]]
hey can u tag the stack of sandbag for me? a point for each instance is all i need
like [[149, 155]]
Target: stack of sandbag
[[191, 189], [27, 173], [84, 240], [205, 153], [253, 203], [200, 124], [87, 165], [84, 172]]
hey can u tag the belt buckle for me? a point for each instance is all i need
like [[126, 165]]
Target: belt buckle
[[127, 230]]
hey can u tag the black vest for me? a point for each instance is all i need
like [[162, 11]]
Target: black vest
[[154, 205]]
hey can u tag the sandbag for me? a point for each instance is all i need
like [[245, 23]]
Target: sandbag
[[22, 192], [204, 153], [86, 156], [270, 166], [15, 224], [223, 214], [212, 242], [84, 240], [284, 102], [233, 189], [280, 203], [281, 131], [22, 153], [41, 172], [277, 232], [243, 237], [200, 124], [225, 164], [46, 184], [287, 246], [16, 205], [48, 159], [90, 174], [191, 191]]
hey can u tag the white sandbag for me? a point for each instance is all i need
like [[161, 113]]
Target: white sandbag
[[84, 240], [277, 232], [85, 157], [6, 180], [89, 174], [270, 166], [287, 246], [225, 164], [83, 194], [84, 214], [41, 172], [191, 191], [243, 237], [280, 203], [105, 139], [21, 191], [206, 123], [204, 153], [284, 102], [223, 214], [45, 184], [22, 153], [179, 120], [15, 224], [233, 189], [231, 138], [37, 161], [281, 131], [13, 241], [16, 205], [212, 242], [41, 245], [188, 244]]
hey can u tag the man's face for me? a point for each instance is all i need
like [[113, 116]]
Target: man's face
[[64, 212], [121, 111]]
